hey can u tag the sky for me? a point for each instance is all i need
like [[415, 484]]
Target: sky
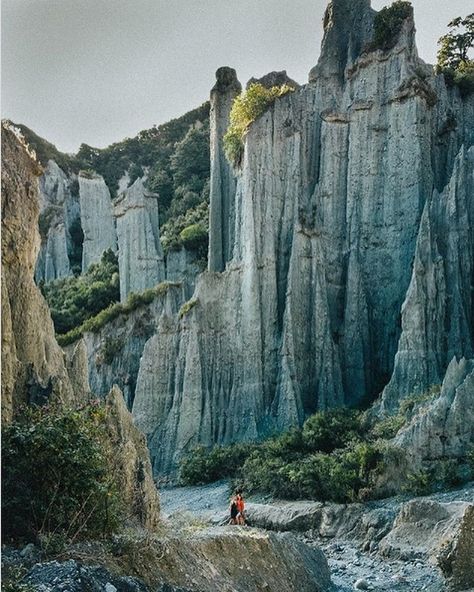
[[97, 71]]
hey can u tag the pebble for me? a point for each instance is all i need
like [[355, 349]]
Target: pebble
[[110, 587], [361, 584]]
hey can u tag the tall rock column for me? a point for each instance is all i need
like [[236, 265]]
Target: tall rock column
[[96, 219], [141, 260], [223, 184]]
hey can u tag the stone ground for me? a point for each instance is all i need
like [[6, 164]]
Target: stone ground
[[349, 565]]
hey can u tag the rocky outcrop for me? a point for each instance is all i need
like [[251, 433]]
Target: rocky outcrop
[[132, 467], [215, 559], [183, 266], [444, 426], [141, 260], [33, 366], [274, 79], [423, 527], [438, 312], [345, 185], [59, 213], [222, 188], [348, 26], [456, 558], [96, 218], [112, 355]]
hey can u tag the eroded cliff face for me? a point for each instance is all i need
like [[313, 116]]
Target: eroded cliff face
[[59, 212], [96, 219], [141, 260], [34, 368], [33, 365], [111, 356], [346, 185]]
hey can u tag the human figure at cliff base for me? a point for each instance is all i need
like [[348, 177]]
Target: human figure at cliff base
[[233, 510], [241, 508]]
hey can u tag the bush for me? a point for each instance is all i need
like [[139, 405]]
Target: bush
[[195, 226], [204, 466], [327, 430], [57, 475], [73, 300], [96, 323], [246, 108], [187, 307], [300, 463], [388, 24]]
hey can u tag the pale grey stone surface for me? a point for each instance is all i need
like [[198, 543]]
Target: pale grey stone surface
[[443, 427], [183, 266], [222, 184], [96, 219], [343, 183], [112, 354], [60, 209], [141, 259]]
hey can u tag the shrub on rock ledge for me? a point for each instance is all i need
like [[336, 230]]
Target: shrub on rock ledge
[[247, 107], [388, 24]]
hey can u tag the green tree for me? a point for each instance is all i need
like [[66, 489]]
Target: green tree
[[56, 474], [453, 55], [456, 44]]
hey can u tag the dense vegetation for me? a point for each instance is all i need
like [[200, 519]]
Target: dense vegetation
[[337, 455], [453, 55], [57, 476], [388, 23], [246, 108], [46, 151], [72, 300], [176, 155], [189, 230], [95, 323]]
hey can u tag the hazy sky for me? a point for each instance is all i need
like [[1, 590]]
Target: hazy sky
[[96, 71]]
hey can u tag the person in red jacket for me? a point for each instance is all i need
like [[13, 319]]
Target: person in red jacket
[[241, 508]]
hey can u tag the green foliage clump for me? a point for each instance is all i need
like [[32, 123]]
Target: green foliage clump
[[195, 237], [57, 479], [187, 307], [246, 108], [172, 237], [436, 476], [330, 458], [326, 431], [453, 55], [96, 323], [204, 466], [388, 24], [73, 300]]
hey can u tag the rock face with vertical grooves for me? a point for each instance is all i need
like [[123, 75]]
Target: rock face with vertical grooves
[[183, 266], [96, 219], [222, 189], [346, 185], [112, 354], [438, 312], [141, 260], [60, 210]]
